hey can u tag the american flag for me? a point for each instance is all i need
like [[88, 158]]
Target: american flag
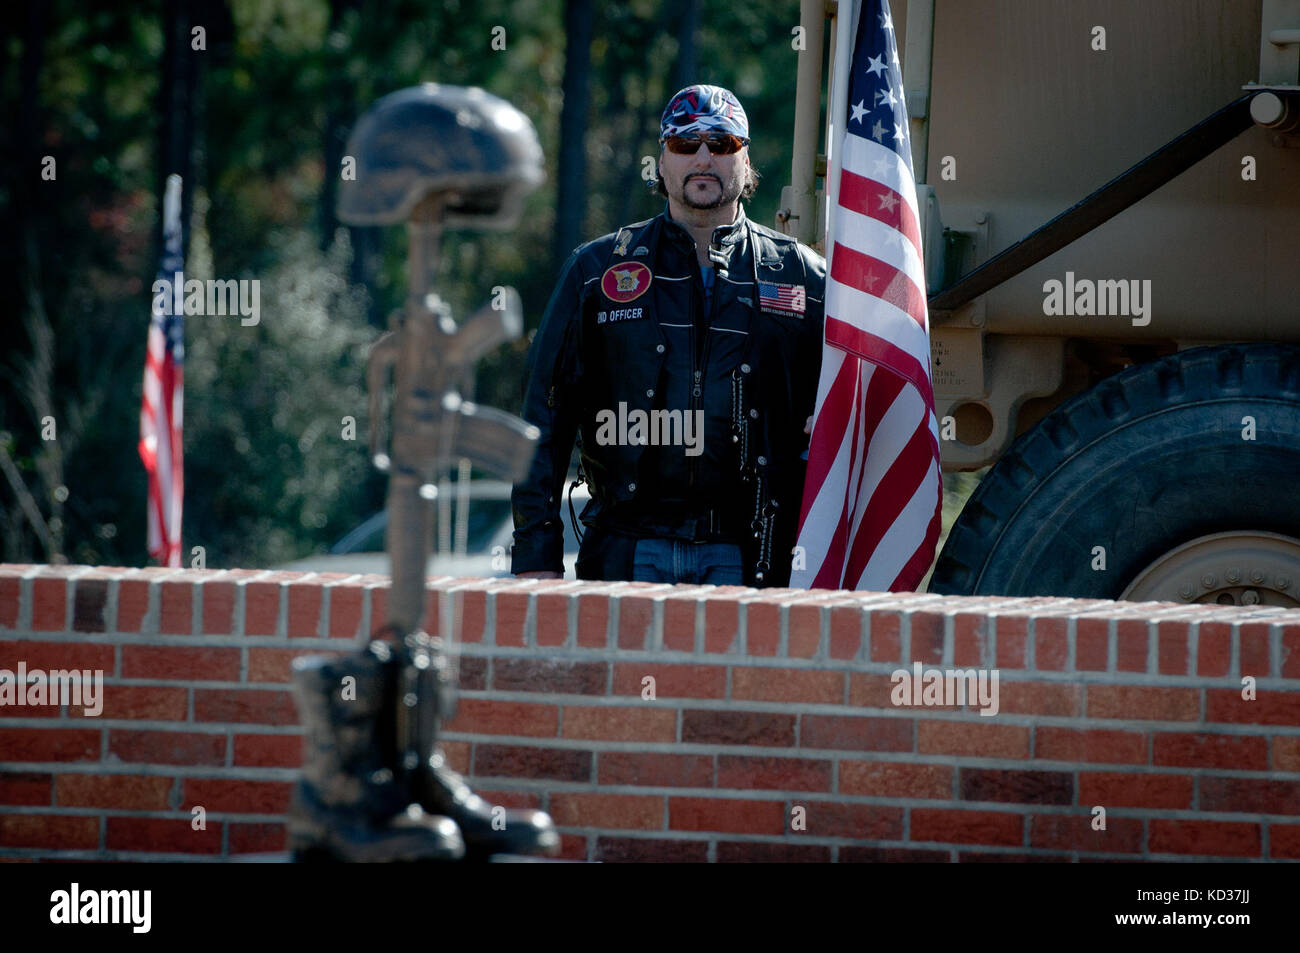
[[164, 392], [791, 298], [873, 494]]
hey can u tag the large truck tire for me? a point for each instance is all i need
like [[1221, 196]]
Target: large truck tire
[[1177, 480]]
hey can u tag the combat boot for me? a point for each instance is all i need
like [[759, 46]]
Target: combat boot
[[487, 828], [354, 802]]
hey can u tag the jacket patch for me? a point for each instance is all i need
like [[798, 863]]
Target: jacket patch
[[781, 298], [624, 237], [620, 314], [627, 282]]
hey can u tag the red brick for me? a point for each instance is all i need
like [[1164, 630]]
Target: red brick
[[268, 751], [1123, 835], [512, 614], [651, 850], [712, 726], [1291, 651], [1250, 795], [469, 631], [726, 815], [154, 702], [237, 797], [62, 656], [804, 630], [175, 614], [1013, 634], [886, 639], [120, 791], [1074, 744], [1132, 641], [1190, 750], [272, 665], [856, 733], [573, 847], [24, 788], [473, 673], [608, 811], [1143, 702], [970, 638], [722, 619], [167, 747], [457, 754], [593, 620], [89, 601], [972, 738], [261, 608], [257, 838], [1023, 787], [871, 691], [1171, 651], [511, 799], [609, 723], [245, 706], [557, 676], [345, 613], [750, 852], [1062, 699], [162, 835], [896, 779], [10, 587], [744, 773], [671, 681], [967, 827], [787, 685], [927, 637], [305, 610], [552, 619], [183, 664], [518, 761], [846, 632], [49, 611], [1254, 648], [1113, 789], [635, 621], [859, 821], [1268, 708], [218, 608], [1051, 645], [39, 744], [762, 628], [49, 831], [655, 769], [1284, 841], [1213, 648], [132, 604], [1286, 753], [1091, 645], [1204, 838], [481, 716]]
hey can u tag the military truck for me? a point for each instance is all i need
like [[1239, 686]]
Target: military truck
[[1110, 194]]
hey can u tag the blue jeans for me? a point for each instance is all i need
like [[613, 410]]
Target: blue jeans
[[677, 560]]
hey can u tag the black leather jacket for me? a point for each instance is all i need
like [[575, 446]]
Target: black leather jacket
[[627, 330]]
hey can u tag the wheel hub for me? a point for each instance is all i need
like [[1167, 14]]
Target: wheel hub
[[1239, 568]]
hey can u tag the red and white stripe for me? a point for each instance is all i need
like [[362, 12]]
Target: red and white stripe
[[873, 494]]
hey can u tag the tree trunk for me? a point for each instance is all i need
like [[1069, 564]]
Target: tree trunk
[[571, 200]]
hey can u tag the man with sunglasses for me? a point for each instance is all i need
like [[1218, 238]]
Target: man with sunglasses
[[682, 353]]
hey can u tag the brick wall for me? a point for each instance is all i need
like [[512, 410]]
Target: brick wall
[[772, 711]]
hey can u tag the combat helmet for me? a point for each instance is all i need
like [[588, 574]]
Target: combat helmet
[[433, 137]]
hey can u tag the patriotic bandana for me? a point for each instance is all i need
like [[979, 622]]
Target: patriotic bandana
[[701, 110]]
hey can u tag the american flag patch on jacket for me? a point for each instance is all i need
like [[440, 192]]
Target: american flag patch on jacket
[[786, 299]]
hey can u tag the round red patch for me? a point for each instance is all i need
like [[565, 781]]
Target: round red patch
[[626, 282]]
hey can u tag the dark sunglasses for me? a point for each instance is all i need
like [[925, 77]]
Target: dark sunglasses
[[719, 145]]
